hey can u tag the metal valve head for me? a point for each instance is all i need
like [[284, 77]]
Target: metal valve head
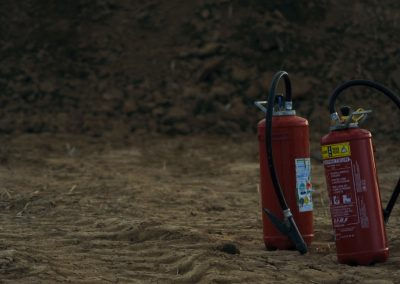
[[282, 107], [349, 118]]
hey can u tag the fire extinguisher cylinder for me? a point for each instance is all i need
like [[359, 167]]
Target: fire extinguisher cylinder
[[285, 171], [352, 182]]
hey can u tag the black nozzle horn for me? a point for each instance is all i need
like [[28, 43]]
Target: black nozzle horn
[[345, 110]]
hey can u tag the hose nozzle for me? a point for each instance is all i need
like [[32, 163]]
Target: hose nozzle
[[288, 228]]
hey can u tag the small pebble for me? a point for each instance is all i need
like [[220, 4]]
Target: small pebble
[[229, 248]]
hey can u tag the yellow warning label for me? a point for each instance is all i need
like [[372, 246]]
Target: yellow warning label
[[335, 150]]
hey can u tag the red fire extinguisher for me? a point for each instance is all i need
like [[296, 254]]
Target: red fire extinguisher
[[285, 168], [352, 182]]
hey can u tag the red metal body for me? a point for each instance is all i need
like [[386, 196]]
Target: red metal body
[[355, 201], [290, 144]]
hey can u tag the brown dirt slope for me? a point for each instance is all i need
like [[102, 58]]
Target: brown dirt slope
[[186, 66]]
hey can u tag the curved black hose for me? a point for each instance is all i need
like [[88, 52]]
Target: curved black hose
[[367, 83], [268, 131], [392, 201], [290, 229], [390, 95]]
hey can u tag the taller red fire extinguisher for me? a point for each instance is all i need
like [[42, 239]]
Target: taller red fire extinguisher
[[352, 182], [285, 171]]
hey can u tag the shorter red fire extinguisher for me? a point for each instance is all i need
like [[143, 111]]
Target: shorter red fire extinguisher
[[351, 176], [285, 171]]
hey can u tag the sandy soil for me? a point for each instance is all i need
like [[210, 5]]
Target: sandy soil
[[85, 210]]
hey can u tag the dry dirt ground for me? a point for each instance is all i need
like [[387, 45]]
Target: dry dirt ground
[[157, 209]]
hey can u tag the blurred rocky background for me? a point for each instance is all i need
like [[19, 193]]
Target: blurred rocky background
[[181, 67]]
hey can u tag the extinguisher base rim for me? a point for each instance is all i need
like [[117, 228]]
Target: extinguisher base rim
[[364, 257]]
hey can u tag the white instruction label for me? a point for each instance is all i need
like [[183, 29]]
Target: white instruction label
[[303, 184]]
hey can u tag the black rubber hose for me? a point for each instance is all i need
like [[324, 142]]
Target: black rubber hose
[[268, 131], [367, 83], [389, 207], [390, 95]]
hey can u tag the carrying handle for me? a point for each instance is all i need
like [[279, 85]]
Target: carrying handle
[[349, 116]]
